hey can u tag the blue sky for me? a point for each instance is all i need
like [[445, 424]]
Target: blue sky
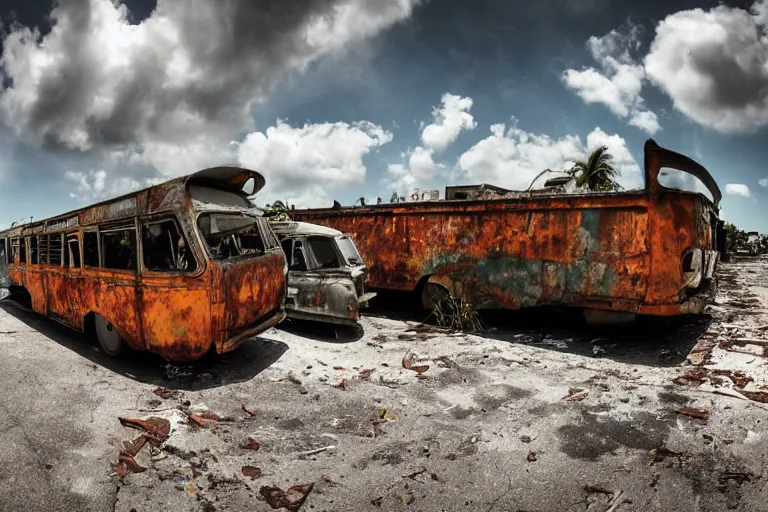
[[338, 99]]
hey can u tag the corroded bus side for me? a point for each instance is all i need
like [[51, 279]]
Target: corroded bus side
[[621, 252], [177, 315]]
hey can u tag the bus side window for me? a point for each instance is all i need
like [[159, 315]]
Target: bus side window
[[119, 249], [165, 249], [72, 252], [91, 249], [56, 249], [33, 250], [42, 249], [22, 250]]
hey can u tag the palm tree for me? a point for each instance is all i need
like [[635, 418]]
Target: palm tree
[[279, 206], [596, 173]]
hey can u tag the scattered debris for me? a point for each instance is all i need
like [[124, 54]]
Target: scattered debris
[[154, 430], [408, 364], [291, 499], [251, 444], [594, 489], [615, 503], [204, 419], [659, 454], [738, 477], [577, 396], [756, 396], [176, 372], [316, 451], [701, 414], [413, 476], [248, 411], [531, 457], [341, 385], [338, 368], [365, 374], [251, 472], [693, 377], [165, 393], [330, 481]]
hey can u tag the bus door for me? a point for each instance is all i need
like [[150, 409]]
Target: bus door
[[175, 299]]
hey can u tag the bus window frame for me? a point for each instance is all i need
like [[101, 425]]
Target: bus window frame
[[62, 242], [95, 230], [204, 244], [115, 226], [74, 235], [159, 219]]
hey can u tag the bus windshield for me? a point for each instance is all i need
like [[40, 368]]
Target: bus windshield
[[231, 235]]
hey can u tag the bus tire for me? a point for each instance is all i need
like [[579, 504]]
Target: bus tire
[[110, 340]]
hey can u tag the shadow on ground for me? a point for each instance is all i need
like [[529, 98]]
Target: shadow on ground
[[247, 361], [650, 341], [324, 332]]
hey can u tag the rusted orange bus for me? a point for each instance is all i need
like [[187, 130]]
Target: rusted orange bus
[[177, 269], [651, 251]]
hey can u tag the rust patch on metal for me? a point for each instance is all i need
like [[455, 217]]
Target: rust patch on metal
[[618, 252], [179, 313]]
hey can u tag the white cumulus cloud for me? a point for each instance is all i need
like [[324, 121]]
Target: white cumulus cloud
[[737, 189], [172, 91], [512, 157], [448, 121], [763, 182], [94, 186], [304, 164], [713, 64], [619, 81]]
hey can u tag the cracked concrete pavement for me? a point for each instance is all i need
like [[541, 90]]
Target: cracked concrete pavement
[[536, 414]]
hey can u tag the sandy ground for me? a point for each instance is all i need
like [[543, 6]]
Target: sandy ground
[[536, 414]]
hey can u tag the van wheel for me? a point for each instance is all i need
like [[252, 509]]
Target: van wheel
[[108, 337]]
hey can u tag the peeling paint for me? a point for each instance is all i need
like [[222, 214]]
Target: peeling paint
[[614, 251]]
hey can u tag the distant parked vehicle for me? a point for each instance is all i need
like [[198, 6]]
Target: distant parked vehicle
[[326, 274]]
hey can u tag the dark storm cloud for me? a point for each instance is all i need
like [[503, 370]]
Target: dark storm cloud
[[99, 81], [714, 65]]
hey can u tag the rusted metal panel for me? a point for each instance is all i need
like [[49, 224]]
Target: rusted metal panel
[[620, 251], [332, 293], [253, 289], [177, 315]]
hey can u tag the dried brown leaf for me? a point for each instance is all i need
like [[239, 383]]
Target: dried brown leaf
[[701, 414], [251, 444], [251, 472], [291, 499]]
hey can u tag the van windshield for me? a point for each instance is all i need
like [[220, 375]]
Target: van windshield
[[349, 250], [231, 235]]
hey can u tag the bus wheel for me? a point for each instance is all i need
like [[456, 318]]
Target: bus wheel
[[108, 337], [432, 294]]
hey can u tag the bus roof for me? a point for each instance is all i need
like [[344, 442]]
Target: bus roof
[[225, 177]]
